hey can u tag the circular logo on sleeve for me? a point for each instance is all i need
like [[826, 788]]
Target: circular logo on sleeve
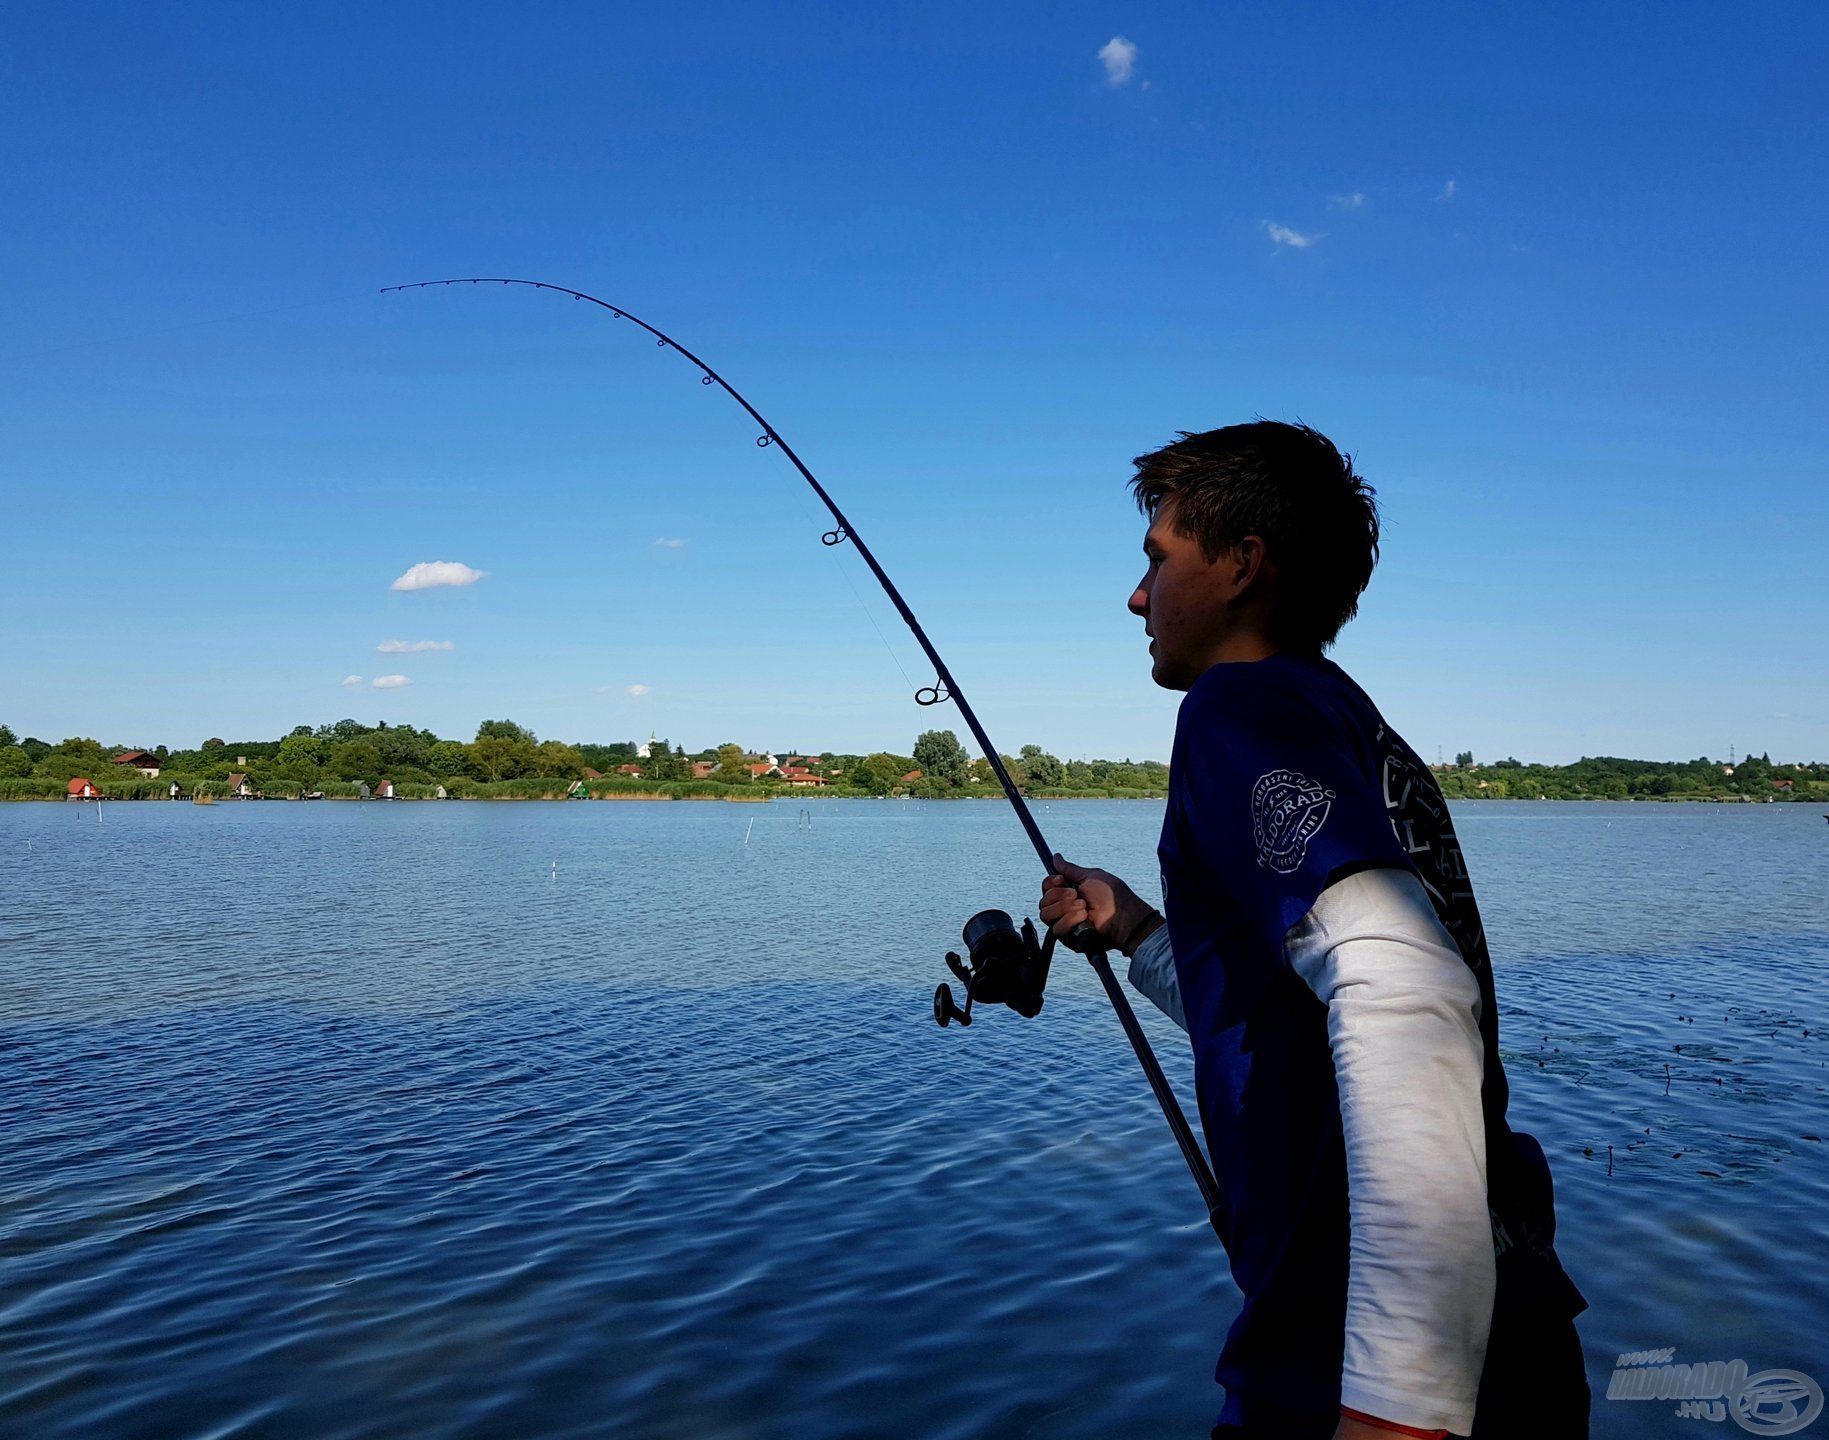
[[1287, 808]]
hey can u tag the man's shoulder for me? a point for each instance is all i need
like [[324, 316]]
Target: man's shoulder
[[1264, 695]]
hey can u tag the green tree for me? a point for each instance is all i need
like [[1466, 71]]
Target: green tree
[[14, 763], [732, 765], [880, 773], [940, 758], [356, 760], [1041, 769], [556, 758], [448, 757], [498, 757], [75, 756], [300, 757], [7, 737], [505, 730], [1464, 759], [305, 749]]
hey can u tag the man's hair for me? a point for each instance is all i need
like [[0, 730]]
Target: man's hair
[[1289, 485]]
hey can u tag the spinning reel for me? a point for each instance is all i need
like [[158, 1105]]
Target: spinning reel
[[1002, 966]]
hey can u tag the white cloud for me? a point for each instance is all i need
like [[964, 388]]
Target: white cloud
[[352, 679], [430, 574], [412, 647], [1447, 192], [1355, 201], [638, 691], [390, 682], [665, 543], [1119, 57], [1295, 239]]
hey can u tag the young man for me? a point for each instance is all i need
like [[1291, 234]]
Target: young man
[[1391, 1234]]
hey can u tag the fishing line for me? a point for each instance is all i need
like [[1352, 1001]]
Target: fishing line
[[1005, 966]]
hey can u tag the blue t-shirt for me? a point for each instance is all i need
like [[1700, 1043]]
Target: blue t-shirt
[[1285, 778]]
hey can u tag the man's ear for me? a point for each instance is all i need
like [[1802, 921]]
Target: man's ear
[[1248, 565]]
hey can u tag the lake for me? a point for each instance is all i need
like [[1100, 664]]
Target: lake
[[631, 1119]]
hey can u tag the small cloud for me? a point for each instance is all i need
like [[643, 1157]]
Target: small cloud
[[430, 574], [1447, 192], [1294, 239], [665, 543], [352, 679], [638, 691], [1355, 201], [412, 647], [1119, 58], [390, 682]]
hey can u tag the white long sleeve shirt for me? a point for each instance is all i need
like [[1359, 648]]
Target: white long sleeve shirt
[[1403, 1025]]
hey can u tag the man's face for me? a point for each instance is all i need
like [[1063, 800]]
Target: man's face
[[1183, 601]]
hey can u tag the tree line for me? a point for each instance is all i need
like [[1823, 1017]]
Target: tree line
[[348, 753], [511, 758]]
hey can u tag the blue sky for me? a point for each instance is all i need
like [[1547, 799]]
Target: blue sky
[[1553, 273]]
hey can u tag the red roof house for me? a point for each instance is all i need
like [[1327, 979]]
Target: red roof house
[[590, 774], [634, 770], [238, 785], [82, 788], [143, 761], [911, 777]]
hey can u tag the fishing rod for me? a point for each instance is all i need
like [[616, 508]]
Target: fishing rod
[[1001, 965]]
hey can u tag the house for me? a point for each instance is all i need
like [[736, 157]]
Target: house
[[758, 768], [439, 793], [578, 790], [701, 769], [634, 770], [803, 778], [384, 790], [910, 777], [645, 750], [1784, 785], [82, 788], [147, 764], [238, 785], [590, 774]]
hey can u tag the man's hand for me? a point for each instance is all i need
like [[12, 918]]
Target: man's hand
[[1074, 896]]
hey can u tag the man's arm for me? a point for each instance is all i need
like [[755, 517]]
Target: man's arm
[[1403, 1013], [1403, 1026]]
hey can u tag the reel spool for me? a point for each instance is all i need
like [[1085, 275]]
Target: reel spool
[[1002, 966]]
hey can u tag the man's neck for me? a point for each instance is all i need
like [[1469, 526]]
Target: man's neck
[[1242, 648]]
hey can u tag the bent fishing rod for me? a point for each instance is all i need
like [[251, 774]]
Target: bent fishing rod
[[1002, 965]]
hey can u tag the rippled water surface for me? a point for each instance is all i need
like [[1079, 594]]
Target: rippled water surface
[[354, 1120]]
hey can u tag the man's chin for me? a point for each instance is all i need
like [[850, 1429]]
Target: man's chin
[[1160, 672]]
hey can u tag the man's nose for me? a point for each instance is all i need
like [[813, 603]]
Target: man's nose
[[1139, 602]]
